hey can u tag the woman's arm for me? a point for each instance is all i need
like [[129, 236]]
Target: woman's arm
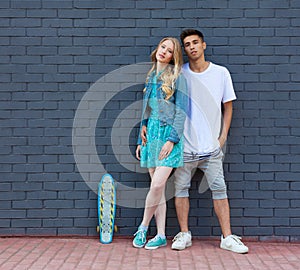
[[181, 103]]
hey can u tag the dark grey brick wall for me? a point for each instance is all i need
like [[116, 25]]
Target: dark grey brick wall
[[51, 52]]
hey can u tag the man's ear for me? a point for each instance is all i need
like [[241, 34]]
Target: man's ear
[[204, 45]]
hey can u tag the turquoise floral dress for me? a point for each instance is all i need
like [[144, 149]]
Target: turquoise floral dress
[[157, 136]]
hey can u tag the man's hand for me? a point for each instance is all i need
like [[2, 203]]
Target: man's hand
[[222, 141], [227, 115]]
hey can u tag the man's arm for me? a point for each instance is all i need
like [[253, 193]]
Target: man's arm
[[227, 116]]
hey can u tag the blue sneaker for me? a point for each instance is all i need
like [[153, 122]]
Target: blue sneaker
[[156, 242], [140, 238]]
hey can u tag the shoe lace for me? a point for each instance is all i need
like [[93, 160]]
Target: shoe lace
[[141, 234], [178, 237], [237, 239], [154, 239]]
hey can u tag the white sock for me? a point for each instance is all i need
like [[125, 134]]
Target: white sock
[[145, 228], [161, 236]]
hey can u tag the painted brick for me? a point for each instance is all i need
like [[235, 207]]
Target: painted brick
[[12, 13], [150, 23], [197, 13], [61, 222], [274, 203], [15, 32], [295, 3], [150, 4], [57, 4], [41, 231], [134, 32], [295, 203], [283, 231], [165, 14], [23, 22], [258, 231], [288, 212], [71, 231], [27, 204], [272, 4], [287, 194], [104, 13], [66, 213], [58, 204], [141, 14], [4, 41], [295, 22], [26, 4], [57, 41], [259, 13], [72, 13], [13, 213], [44, 213], [5, 224], [115, 23], [41, 195], [212, 4], [4, 4], [243, 4], [88, 4], [180, 4]]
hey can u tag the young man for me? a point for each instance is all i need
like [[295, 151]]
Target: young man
[[209, 87]]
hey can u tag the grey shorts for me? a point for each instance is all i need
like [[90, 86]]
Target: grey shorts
[[213, 177]]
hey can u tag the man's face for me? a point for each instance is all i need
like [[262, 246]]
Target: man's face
[[194, 47]]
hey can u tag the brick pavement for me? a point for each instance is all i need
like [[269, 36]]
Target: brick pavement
[[87, 253]]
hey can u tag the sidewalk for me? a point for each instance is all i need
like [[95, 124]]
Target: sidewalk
[[88, 253]]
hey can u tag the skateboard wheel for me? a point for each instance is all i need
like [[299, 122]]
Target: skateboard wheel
[[116, 228], [98, 229]]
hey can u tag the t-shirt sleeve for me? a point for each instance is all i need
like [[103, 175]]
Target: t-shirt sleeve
[[229, 94]]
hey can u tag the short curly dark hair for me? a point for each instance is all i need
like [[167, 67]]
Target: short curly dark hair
[[189, 32]]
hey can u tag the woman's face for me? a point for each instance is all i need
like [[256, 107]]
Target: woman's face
[[165, 52]]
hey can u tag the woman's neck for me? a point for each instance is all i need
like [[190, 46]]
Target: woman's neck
[[160, 67]]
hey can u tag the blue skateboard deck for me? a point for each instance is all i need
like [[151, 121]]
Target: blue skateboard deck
[[106, 208]]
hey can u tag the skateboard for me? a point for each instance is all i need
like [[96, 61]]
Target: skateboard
[[106, 208]]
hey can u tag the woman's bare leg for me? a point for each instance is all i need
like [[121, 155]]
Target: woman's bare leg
[[155, 197]]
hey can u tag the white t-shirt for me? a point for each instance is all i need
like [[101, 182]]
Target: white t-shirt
[[207, 91]]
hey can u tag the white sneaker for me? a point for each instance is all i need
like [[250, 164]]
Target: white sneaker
[[233, 243], [182, 240]]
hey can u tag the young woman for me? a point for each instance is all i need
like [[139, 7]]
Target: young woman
[[160, 145]]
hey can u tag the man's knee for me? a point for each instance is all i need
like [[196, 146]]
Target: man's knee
[[182, 182], [219, 194], [182, 193], [182, 187]]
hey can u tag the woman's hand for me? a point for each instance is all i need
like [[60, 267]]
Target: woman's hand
[[138, 152], [144, 135], [166, 150]]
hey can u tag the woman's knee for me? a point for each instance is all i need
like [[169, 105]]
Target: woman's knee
[[157, 187]]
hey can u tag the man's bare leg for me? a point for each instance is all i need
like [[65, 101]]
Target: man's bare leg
[[232, 243], [182, 205], [184, 238], [222, 211]]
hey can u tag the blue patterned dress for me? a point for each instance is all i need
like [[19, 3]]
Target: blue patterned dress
[[157, 136]]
